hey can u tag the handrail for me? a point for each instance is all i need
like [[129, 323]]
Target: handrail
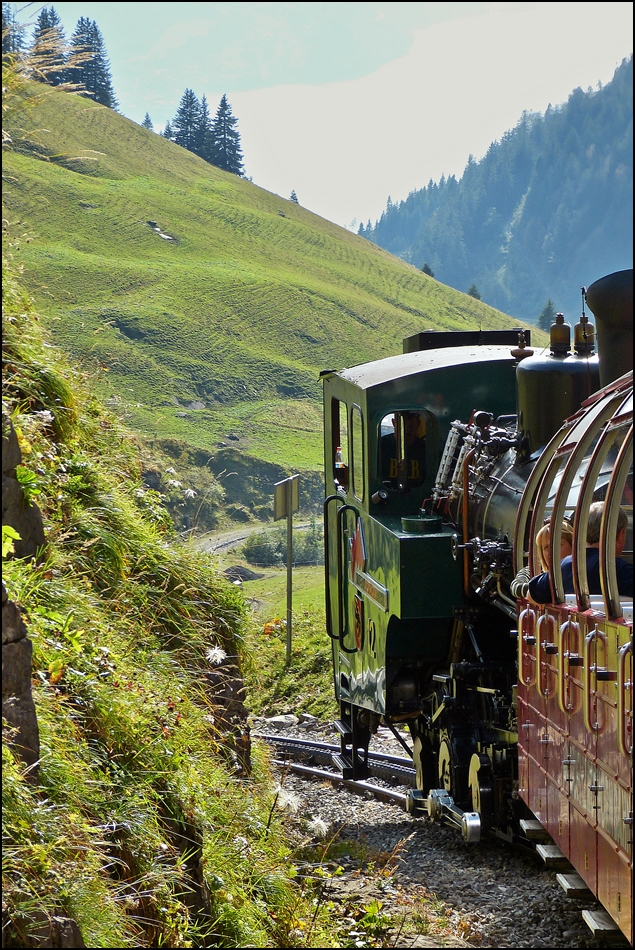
[[523, 638], [622, 685], [564, 662], [340, 594], [541, 686], [608, 530], [465, 510], [526, 503], [327, 567], [591, 670]]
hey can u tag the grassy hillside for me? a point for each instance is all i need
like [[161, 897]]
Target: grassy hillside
[[216, 330], [139, 827]]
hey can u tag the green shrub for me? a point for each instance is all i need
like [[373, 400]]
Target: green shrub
[[269, 548]]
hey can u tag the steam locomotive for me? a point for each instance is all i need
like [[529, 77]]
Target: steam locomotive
[[442, 464]]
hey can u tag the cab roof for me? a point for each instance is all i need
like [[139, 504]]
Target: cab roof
[[368, 375]]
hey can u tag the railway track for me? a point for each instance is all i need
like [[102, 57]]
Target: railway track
[[393, 769], [312, 760]]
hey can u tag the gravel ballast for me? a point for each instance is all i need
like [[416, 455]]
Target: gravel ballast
[[487, 895]]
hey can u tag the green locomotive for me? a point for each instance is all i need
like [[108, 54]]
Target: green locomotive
[[427, 456]]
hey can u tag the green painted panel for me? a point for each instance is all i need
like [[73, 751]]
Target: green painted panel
[[419, 570]]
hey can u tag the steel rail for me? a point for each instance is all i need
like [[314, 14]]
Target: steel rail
[[359, 787], [310, 744], [390, 768]]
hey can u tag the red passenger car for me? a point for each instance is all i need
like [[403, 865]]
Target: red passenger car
[[575, 658]]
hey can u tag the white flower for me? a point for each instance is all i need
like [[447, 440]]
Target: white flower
[[172, 483], [288, 801], [189, 493], [215, 655], [317, 827], [170, 471]]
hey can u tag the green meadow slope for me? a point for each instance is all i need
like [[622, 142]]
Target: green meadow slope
[[210, 323]]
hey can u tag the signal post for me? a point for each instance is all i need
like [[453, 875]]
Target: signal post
[[286, 500]]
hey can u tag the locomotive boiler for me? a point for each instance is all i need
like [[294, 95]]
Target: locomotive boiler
[[442, 463]]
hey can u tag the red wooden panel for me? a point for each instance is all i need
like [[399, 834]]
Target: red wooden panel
[[615, 884], [524, 726], [583, 847]]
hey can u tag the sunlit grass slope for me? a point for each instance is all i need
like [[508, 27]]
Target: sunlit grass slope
[[139, 827], [235, 315]]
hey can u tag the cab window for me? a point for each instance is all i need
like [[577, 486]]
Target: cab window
[[357, 439], [339, 446], [403, 449]]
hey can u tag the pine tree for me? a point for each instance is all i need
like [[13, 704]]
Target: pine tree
[[92, 68], [148, 123], [185, 124], [547, 316], [204, 134], [48, 48], [426, 269], [473, 291], [227, 153], [294, 197], [12, 32], [168, 132]]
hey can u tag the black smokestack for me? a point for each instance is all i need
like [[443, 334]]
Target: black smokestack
[[611, 300]]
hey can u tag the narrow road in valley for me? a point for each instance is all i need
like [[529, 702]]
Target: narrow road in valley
[[228, 540]]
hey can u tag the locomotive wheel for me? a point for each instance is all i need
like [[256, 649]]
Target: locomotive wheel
[[424, 763], [445, 765], [455, 752], [480, 784], [423, 758]]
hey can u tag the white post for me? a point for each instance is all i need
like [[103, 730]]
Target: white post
[[289, 565]]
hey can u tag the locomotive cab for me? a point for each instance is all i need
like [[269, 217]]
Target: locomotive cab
[[394, 571]]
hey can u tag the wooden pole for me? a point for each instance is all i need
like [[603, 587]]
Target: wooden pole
[[289, 565]]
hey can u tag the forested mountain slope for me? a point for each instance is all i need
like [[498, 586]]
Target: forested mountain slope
[[209, 304], [548, 209]]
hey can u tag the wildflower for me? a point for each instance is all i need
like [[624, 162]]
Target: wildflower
[[170, 471], [189, 493], [287, 801], [317, 827], [172, 483], [215, 655]]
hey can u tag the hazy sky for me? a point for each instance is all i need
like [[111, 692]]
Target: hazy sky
[[348, 103]]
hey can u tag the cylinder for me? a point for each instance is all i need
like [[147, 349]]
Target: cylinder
[[611, 300]]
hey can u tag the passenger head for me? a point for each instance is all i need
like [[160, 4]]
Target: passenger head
[[595, 522], [543, 540]]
